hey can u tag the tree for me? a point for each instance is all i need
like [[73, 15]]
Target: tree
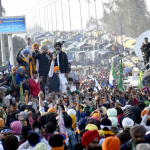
[[18, 43], [92, 24], [132, 13]]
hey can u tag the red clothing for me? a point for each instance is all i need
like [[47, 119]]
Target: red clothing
[[35, 88], [135, 101]]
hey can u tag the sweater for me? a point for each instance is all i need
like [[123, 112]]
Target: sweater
[[54, 84], [124, 136], [35, 88]]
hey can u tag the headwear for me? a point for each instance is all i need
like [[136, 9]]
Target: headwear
[[20, 70], [16, 127], [88, 137], [52, 109], [39, 139], [5, 130], [1, 122], [105, 123], [112, 112], [73, 117], [81, 123], [113, 121], [143, 113], [127, 123], [24, 51], [1, 73], [104, 109], [71, 111], [35, 45], [96, 115], [140, 129], [58, 43], [24, 115], [120, 121], [111, 143], [119, 116], [91, 127], [143, 146], [14, 69], [40, 146], [147, 103], [23, 68], [56, 68]]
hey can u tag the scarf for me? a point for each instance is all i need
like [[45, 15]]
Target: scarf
[[26, 57], [32, 64], [12, 80], [57, 148], [36, 80], [3, 111], [108, 132]]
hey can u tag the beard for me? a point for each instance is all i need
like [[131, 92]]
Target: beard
[[21, 75], [69, 69], [138, 142], [93, 148], [58, 51]]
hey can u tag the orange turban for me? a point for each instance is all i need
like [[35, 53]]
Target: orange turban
[[112, 143], [52, 110], [143, 113], [35, 45], [96, 115], [14, 68], [56, 68], [23, 68]]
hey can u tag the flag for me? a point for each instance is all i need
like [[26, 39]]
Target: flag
[[21, 93], [112, 75], [140, 80], [120, 83], [9, 65]]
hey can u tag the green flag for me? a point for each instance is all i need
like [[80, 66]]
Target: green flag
[[21, 93], [140, 80], [120, 83]]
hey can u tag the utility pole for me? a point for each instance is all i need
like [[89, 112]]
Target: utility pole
[[3, 52], [69, 14], [62, 17], [81, 19], [96, 24]]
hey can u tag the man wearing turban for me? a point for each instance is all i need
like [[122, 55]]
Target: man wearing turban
[[26, 60], [137, 133], [62, 62], [90, 140], [9, 80], [35, 48], [44, 63]]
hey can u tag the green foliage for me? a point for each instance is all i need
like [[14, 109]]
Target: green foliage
[[134, 14], [18, 43]]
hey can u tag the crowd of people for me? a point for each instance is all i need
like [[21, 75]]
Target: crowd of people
[[45, 105]]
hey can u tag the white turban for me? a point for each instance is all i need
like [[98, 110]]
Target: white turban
[[127, 123], [112, 112], [113, 121], [143, 146], [71, 111]]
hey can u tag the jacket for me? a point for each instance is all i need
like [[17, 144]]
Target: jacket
[[35, 88], [44, 63], [63, 62], [54, 84], [124, 136], [30, 66]]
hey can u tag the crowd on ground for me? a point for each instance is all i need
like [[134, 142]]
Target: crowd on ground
[[45, 105]]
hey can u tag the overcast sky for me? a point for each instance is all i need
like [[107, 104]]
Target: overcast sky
[[28, 8]]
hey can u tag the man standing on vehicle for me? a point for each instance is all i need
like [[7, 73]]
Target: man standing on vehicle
[[146, 49], [62, 62]]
